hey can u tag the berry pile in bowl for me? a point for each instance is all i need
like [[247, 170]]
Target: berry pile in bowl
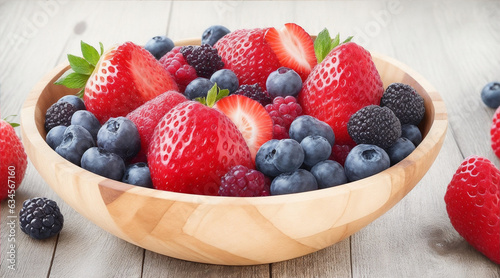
[[245, 147]]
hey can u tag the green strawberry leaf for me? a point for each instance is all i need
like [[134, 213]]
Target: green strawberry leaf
[[80, 65], [222, 93], [90, 53], [11, 123], [81, 93], [324, 44], [214, 94], [72, 79], [102, 47]]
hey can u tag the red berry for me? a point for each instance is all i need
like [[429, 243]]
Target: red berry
[[495, 133], [283, 111], [175, 63], [473, 205], [243, 182], [14, 160], [344, 82], [340, 152]]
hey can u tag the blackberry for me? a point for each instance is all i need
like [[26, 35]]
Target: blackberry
[[374, 125], [405, 102], [40, 218], [243, 182], [254, 92], [59, 113], [204, 59]]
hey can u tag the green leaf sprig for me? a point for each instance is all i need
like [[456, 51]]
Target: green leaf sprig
[[7, 119], [81, 68], [213, 95], [324, 44]]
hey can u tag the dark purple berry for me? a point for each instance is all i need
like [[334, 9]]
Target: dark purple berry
[[405, 102], [204, 59], [40, 218], [240, 181], [59, 113], [254, 92]]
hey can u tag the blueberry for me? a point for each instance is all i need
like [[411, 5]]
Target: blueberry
[[365, 160], [329, 173], [76, 140], [55, 136], [87, 120], [213, 33], [306, 125], [491, 94], [226, 79], [293, 182], [316, 148], [199, 87], [283, 82], [265, 157], [119, 136], [103, 163], [73, 100], [288, 155], [159, 46], [411, 132], [138, 174], [399, 150]]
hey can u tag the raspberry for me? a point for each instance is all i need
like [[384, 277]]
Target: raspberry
[[241, 181], [178, 67], [339, 153], [254, 92], [59, 113], [405, 102], [205, 59], [495, 133], [283, 111], [40, 218], [374, 125]]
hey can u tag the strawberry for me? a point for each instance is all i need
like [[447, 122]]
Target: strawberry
[[495, 133], [14, 161], [473, 205], [118, 80], [193, 146], [251, 118], [248, 55], [344, 82], [294, 48], [147, 116]]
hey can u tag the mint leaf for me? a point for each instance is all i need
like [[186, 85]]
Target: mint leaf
[[212, 95], [72, 79], [348, 39], [90, 53], [222, 93], [322, 45], [102, 48], [79, 65], [201, 100]]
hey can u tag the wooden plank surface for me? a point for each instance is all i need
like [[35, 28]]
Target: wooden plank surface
[[452, 44]]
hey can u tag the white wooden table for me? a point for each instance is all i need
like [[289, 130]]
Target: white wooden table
[[454, 44]]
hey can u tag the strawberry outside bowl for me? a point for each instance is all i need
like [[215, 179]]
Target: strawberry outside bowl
[[232, 230]]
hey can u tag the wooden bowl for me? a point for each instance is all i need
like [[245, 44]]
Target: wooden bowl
[[232, 230]]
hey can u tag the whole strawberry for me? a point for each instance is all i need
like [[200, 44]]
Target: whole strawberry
[[118, 80], [344, 82], [13, 158], [248, 55], [193, 146], [495, 133], [473, 205]]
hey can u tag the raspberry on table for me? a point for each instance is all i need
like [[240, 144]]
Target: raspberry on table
[[283, 111], [175, 63], [405, 102], [59, 113], [205, 59], [254, 92], [241, 181], [40, 218]]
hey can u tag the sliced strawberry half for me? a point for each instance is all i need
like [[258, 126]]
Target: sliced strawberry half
[[294, 48], [250, 117]]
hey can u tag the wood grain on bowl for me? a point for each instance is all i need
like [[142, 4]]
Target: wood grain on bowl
[[228, 230]]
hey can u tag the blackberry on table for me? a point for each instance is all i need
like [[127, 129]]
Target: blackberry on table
[[59, 113], [40, 218], [254, 92], [374, 125], [405, 102], [204, 59]]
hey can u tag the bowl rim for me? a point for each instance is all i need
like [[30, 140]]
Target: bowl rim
[[435, 133]]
